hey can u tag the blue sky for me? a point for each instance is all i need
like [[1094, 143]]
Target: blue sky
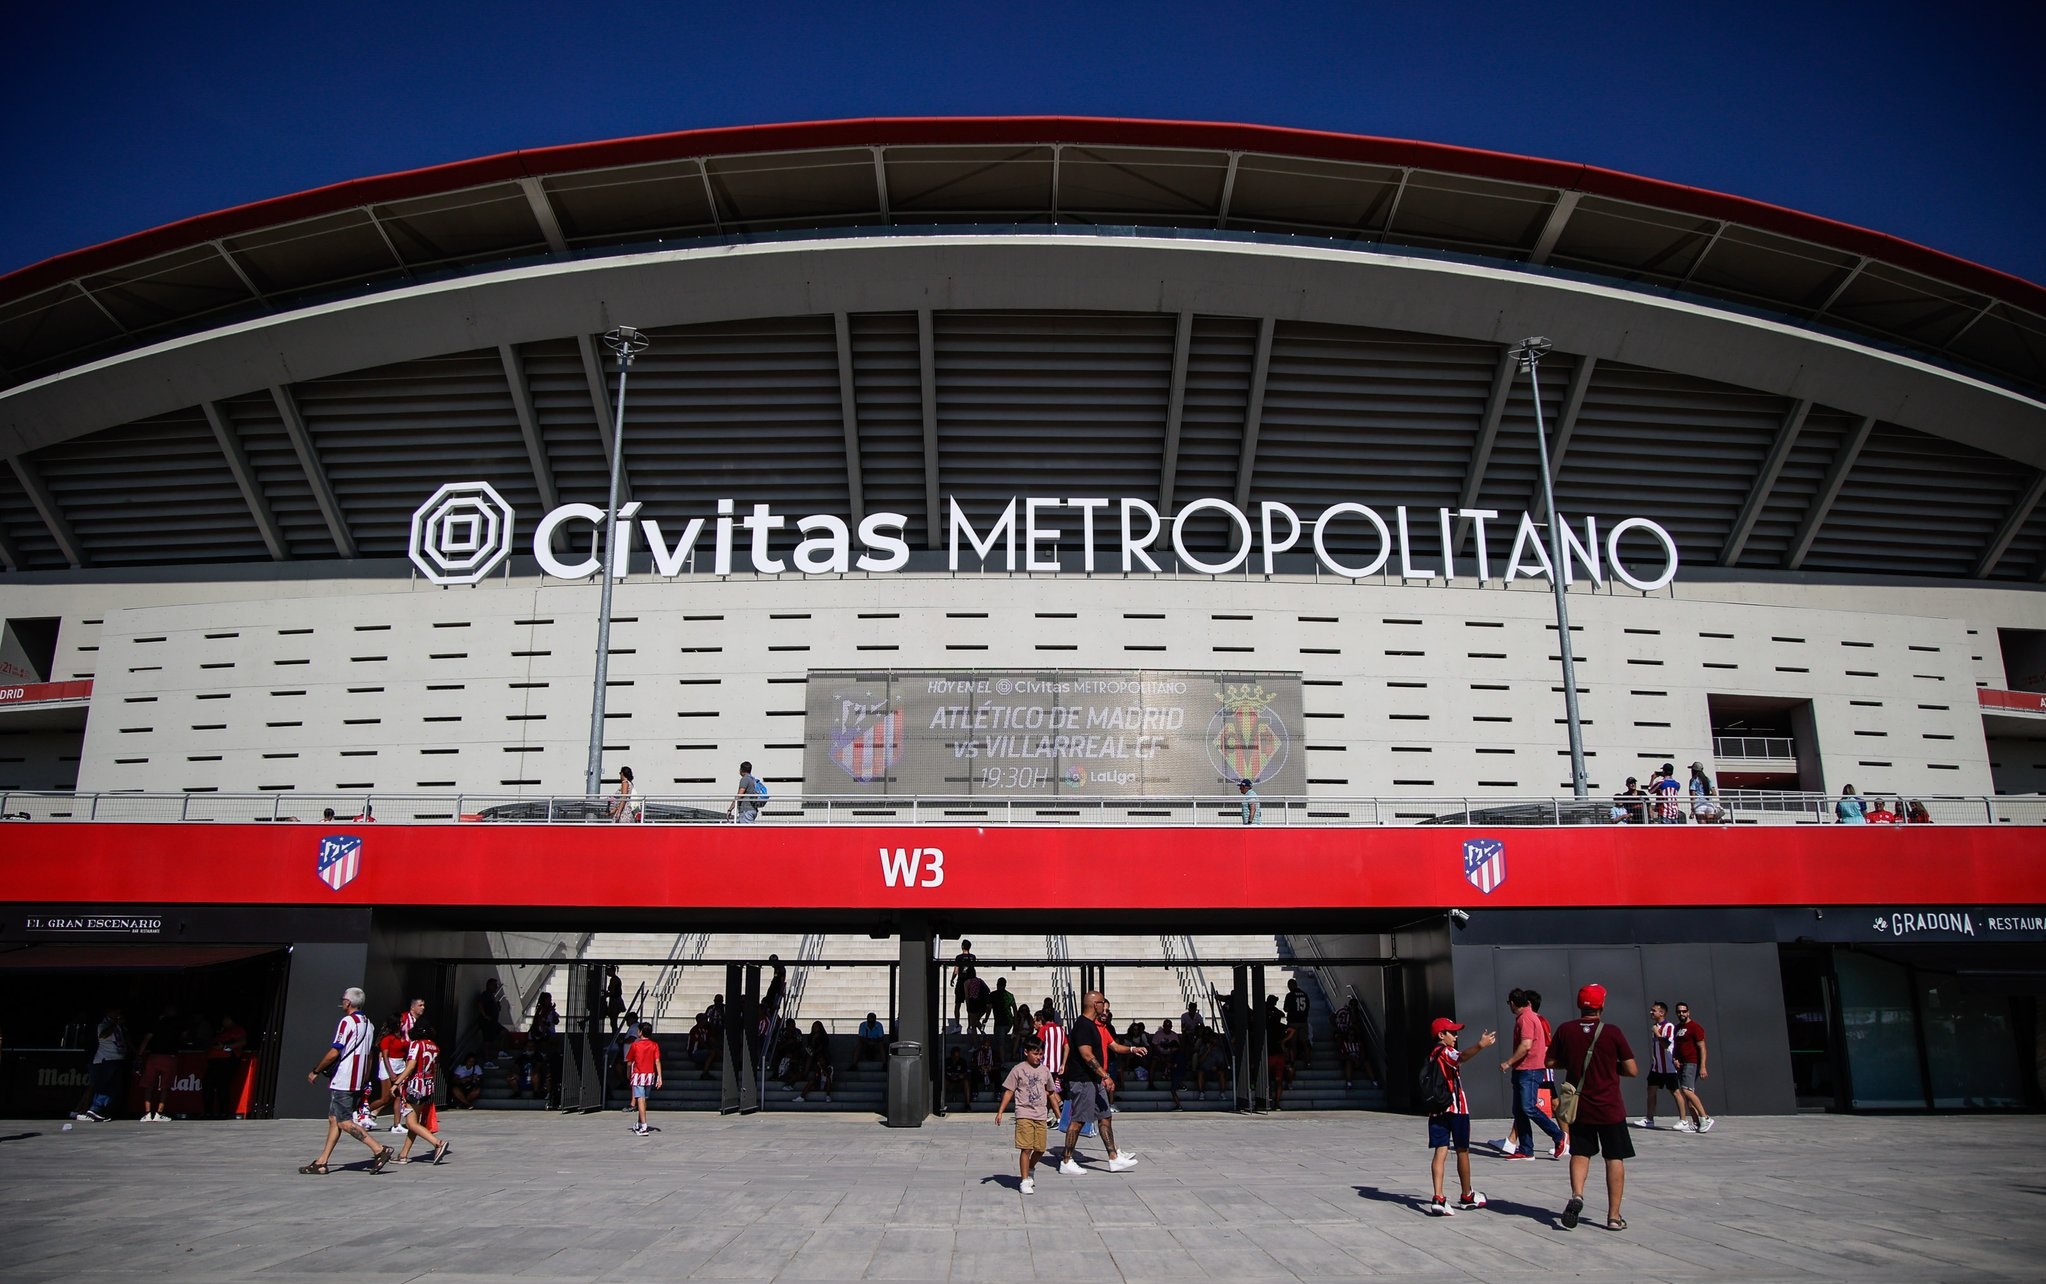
[[1918, 121]]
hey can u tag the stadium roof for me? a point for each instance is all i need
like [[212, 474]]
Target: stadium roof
[[1172, 308], [723, 183]]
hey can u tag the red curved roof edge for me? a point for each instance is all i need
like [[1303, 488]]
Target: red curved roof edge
[[1020, 131]]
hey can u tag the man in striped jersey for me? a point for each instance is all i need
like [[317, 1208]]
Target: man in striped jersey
[[352, 1058], [1662, 1062]]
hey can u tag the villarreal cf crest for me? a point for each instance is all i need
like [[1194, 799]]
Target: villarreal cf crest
[[1246, 739]]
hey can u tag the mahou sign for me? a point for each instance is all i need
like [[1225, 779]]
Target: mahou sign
[[464, 531]]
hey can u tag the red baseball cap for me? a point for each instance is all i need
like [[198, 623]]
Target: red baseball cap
[[1592, 996], [1441, 1024]]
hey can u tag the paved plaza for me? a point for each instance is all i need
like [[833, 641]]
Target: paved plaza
[[830, 1197]]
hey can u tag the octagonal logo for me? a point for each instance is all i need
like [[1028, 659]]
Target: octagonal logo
[[461, 533]]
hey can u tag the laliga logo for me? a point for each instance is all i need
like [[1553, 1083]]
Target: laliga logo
[[461, 533]]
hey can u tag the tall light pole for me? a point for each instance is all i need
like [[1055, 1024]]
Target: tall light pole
[[1529, 352], [627, 343]]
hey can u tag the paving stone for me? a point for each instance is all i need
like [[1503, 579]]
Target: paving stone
[[1803, 1200]]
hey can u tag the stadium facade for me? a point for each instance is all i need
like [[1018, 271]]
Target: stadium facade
[[1042, 465]]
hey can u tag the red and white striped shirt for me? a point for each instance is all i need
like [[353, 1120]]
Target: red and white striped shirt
[[1662, 1057], [353, 1039], [424, 1055], [1054, 1036], [1459, 1104]]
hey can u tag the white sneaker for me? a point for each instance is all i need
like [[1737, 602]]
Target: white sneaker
[[1122, 1163], [1685, 1125], [1439, 1208], [1707, 1125], [1127, 1153], [1067, 1168], [798, 1097], [1504, 1145], [1477, 1200], [1029, 1187], [397, 1127]]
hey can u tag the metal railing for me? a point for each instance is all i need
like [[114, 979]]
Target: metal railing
[[1783, 747], [1313, 812], [687, 949], [1186, 969], [1064, 984]]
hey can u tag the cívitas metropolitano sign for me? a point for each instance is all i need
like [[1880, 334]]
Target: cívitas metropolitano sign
[[465, 530]]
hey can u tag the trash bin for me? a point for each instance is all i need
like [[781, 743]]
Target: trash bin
[[906, 1085]]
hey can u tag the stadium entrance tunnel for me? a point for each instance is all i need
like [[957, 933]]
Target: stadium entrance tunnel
[[766, 1021]]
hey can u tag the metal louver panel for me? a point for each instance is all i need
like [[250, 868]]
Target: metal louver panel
[[1804, 472], [1041, 403], [279, 475], [1369, 417], [1916, 505], [747, 411], [152, 492], [1218, 369], [888, 394], [25, 532], [1682, 451], [387, 437], [568, 421]]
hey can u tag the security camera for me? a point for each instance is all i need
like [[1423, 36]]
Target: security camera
[[1459, 917]]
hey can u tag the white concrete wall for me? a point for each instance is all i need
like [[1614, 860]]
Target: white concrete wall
[[394, 686]]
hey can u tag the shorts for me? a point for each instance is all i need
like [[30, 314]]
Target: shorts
[[341, 1104], [1089, 1100], [1614, 1141], [641, 1091], [1662, 1079], [1032, 1134], [1687, 1076], [1453, 1131], [159, 1064]]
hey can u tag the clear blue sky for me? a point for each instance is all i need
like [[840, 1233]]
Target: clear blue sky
[[1916, 120]]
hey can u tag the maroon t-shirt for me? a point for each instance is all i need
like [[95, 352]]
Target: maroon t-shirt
[[1598, 1089], [1689, 1035]]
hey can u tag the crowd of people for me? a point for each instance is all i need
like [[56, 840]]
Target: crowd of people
[[121, 1067]]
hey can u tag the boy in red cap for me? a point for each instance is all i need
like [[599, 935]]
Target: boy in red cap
[[1595, 1056], [1451, 1127]]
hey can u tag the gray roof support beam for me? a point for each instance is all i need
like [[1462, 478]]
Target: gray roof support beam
[[543, 214], [600, 405], [529, 423], [241, 273], [384, 234], [1175, 412], [245, 480], [46, 508], [1254, 411], [927, 369], [1829, 490], [717, 220], [1833, 296], [2013, 522], [93, 299], [849, 410], [1228, 190], [1765, 481], [315, 475], [9, 558], [1488, 436], [1566, 424], [1711, 244], [881, 184], [1552, 231]]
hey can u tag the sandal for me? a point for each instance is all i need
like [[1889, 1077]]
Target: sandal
[[1616, 1223], [383, 1159], [314, 1170]]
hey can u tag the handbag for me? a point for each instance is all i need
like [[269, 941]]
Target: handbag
[[1566, 1092]]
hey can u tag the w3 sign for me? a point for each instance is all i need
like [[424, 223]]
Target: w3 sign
[[912, 867]]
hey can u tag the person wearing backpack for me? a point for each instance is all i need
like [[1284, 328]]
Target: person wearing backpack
[[1441, 1094], [752, 796]]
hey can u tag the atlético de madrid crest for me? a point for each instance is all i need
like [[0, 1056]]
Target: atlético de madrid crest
[[340, 860], [1484, 863]]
